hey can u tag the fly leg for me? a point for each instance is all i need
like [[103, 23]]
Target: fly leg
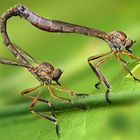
[[130, 55], [45, 116], [57, 97], [92, 58], [29, 90], [98, 73], [69, 92], [124, 64], [65, 90]]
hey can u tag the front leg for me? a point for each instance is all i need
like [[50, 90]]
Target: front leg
[[130, 55], [55, 96], [124, 64], [65, 90]]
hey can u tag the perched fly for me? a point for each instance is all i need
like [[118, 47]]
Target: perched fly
[[44, 72]]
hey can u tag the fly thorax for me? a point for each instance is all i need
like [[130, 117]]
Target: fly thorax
[[116, 40], [44, 72]]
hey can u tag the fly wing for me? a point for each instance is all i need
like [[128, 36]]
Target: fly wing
[[12, 62], [25, 54]]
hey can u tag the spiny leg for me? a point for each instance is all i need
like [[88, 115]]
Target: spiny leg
[[65, 90], [124, 64], [130, 55], [57, 97], [99, 74], [92, 58], [29, 90], [51, 118], [103, 78], [73, 93], [69, 92]]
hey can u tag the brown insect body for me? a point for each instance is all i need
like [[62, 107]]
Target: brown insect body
[[118, 41], [45, 72]]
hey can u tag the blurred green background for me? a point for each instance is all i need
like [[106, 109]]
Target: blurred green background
[[69, 52]]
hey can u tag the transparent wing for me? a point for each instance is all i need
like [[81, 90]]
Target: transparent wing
[[25, 54], [12, 62]]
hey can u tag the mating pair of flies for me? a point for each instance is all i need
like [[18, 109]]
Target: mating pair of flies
[[45, 73]]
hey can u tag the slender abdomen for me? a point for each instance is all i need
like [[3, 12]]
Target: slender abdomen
[[59, 26]]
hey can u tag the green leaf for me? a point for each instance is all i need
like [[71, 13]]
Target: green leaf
[[117, 120]]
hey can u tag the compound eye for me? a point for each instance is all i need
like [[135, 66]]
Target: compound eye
[[129, 43], [122, 36], [56, 74]]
